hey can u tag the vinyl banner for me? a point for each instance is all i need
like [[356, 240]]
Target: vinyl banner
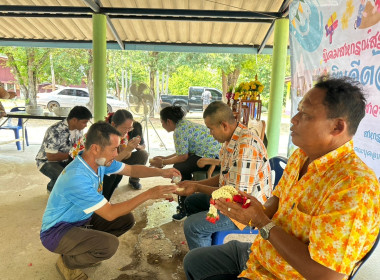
[[341, 38]]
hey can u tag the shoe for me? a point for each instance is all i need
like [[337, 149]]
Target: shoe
[[180, 216], [69, 274], [135, 185]]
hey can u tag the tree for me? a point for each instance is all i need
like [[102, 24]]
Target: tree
[[185, 76], [26, 65], [229, 66], [72, 67], [261, 65]]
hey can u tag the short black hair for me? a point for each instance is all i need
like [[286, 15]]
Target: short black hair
[[218, 112], [80, 113], [344, 98], [174, 113], [99, 133], [120, 116]]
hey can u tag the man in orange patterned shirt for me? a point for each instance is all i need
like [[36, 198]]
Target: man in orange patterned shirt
[[325, 212]]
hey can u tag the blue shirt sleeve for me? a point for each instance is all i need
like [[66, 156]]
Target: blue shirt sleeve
[[115, 167]]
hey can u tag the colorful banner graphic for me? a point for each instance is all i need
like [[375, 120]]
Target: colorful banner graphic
[[341, 38]]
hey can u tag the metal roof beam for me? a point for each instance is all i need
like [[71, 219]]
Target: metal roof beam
[[95, 6], [266, 38], [136, 46], [166, 14], [114, 32], [51, 15], [190, 13], [89, 16], [284, 11], [199, 19], [45, 9]]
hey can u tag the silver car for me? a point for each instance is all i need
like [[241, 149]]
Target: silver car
[[70, 97]]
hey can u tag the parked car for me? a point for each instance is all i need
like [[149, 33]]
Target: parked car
[[191, 102], [70, 97]]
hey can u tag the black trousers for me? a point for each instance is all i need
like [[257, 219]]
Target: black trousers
[[189, 166], [138, 157], [186, 168]]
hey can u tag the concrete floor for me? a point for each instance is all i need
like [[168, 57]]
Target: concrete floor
[[143, 253], [155, 253]]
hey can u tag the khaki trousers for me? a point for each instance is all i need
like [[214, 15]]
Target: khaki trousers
[[84, 246]]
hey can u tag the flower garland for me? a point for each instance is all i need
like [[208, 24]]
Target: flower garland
[[231, 195], [108, 118]]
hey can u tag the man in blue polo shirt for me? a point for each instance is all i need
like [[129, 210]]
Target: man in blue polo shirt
[[79, 223]]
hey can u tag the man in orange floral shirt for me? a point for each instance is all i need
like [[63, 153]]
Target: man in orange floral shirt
[[324, 215]]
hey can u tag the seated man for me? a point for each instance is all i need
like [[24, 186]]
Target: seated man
[[244, 164], [324, 214], [53, 155], [79, 223]]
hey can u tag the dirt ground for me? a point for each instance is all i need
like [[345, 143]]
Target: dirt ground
[[154, 253]]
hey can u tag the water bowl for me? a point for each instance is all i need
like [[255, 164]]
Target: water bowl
[[62, 111], [34, 110]]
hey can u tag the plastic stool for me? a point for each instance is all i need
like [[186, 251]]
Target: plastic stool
[[218, 237]]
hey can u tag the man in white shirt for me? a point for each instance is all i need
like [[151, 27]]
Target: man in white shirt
[[206, 97]]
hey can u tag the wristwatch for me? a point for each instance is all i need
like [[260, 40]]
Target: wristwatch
[[264, 231]]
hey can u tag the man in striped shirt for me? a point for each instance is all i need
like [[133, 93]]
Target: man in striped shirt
[[244, 164]]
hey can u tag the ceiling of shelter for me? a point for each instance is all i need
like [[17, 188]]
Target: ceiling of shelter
[[237, 25]]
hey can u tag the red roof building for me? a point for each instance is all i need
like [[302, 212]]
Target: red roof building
[[7, 78]]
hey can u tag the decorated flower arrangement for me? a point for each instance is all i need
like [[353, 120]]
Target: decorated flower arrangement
[[229, 93], [249, 90], [230, 194]]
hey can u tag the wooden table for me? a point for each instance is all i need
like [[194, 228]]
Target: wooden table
[[25, 117], [250, 109]]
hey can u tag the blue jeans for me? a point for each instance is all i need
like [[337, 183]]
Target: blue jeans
[[198, 230], [220, 262], [53, 169]]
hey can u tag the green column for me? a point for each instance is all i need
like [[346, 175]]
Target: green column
[[99, 23], [280, 44]]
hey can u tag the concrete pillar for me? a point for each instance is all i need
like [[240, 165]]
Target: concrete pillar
[[99, 24], [280, 45]]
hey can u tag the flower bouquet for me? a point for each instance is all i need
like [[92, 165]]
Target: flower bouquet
[[249, 90], [229, 94]]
